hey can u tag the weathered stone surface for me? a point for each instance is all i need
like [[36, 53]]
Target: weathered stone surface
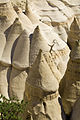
[[25, 20], [38, 42], [17, 83], [49, 25], [14, 33], [42, 91], [2, 43], [70, 84], [21, 53], [19, 3], [40, 77], [74, 32], [54, 12], [30, 14], [7, 15], [4, 80]]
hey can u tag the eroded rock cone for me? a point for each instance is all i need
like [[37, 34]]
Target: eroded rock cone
[[25, 20], [38, 42], [42, 91], [70, 84], [73, 34], [14, 33], [21, 53], [43, 73], [32, 16], [7, 15]]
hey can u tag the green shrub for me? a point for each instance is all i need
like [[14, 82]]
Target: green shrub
[[11, 109]]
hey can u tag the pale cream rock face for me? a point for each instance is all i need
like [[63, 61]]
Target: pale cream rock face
[[19, 3], [14, 33], [40, 77], [27, 24], [7, 15], [30, 14], [4, 79], [47, 24], [21, 52], [2, 43], [42, 90], [4, 1], [38, 42], [17, 83]]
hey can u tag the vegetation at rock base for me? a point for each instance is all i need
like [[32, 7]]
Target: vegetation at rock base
[[11, 109]]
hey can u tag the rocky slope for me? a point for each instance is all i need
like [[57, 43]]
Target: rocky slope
[[40, 56]]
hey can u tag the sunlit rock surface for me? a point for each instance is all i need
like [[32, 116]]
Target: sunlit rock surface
[[40, 56]]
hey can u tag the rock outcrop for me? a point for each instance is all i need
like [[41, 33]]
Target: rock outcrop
[[40, 56], [69, 87], [42, 91]]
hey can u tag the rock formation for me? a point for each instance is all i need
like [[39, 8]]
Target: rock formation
[[42, 91], [69, 86], [40, 56]]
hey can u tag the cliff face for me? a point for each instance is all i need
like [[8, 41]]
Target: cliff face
[[40, 56]]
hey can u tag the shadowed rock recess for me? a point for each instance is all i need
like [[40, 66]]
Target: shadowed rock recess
[[40, 56]]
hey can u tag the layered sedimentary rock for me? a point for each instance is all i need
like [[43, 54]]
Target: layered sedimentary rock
[[42, 91], [47, 25]]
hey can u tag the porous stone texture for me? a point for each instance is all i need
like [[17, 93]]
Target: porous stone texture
[[42, 91], [40, 56]]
